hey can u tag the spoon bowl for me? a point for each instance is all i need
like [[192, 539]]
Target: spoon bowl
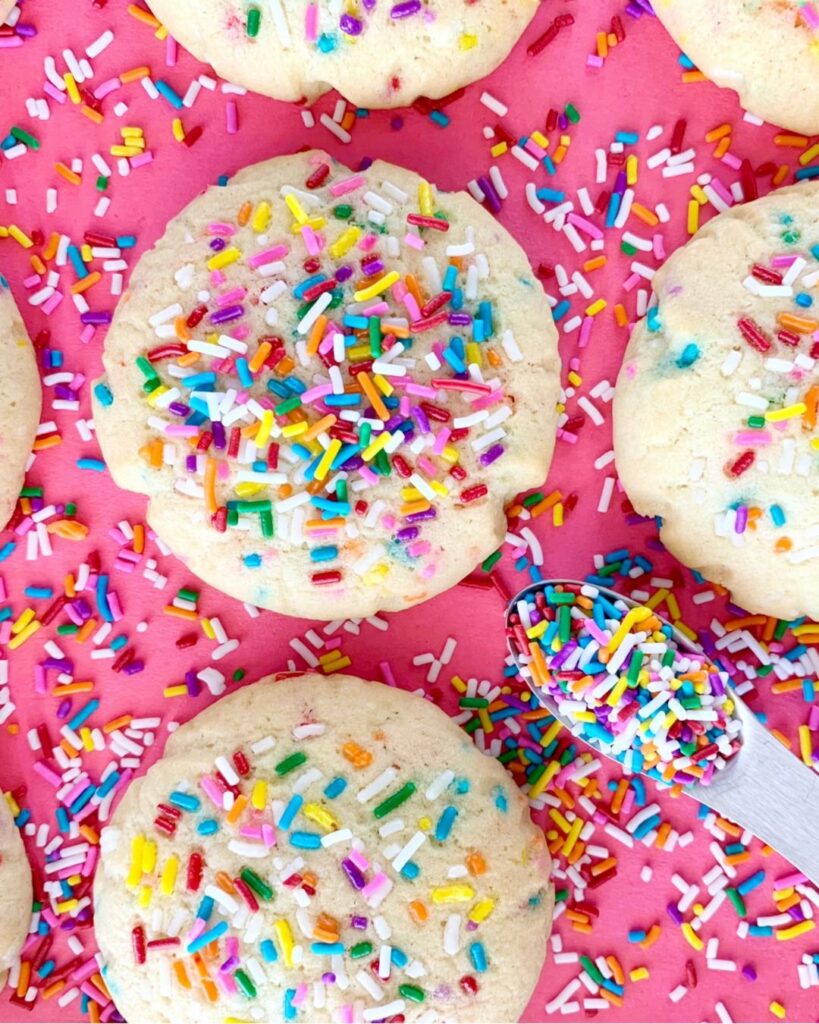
[[763, 788]]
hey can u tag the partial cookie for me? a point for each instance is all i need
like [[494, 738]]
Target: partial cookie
[[5, 9], [765, 50], [715, 416], [322, 849], [377, 55], [329, 384], [15, 890], [20, 402]]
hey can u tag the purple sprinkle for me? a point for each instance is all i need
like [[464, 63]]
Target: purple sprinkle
[[179, 408], [492, 455], [460, 319], [219, 436], [344, 273], [420, 517], [133, 667], [349, 25], [223, 316], [192, 684], [358, 922], [674, 914], [407, 534], [749, 973], [492, 198], [96, 319], [404, 10], [217, 244], [64, 708], [353, 873]]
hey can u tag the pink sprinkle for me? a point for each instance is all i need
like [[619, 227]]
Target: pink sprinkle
[[231, 117], [311, 23], [341, 188], [268, 256]]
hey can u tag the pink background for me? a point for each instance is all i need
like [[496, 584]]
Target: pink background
[[639, 86]]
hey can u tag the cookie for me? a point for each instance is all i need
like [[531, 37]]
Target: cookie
[[322, 849], [329, 383], [20, 402], [765, 50], [6, 7], [715, 413], [15, 891], [376, 54]]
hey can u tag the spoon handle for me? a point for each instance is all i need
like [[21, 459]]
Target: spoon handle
[[770, 792]]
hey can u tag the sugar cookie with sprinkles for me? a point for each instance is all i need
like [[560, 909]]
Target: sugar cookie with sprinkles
[[329, 383], [15, 890], [377, 54], [322, 848], [715, 415], [20, 401], [765, 50]]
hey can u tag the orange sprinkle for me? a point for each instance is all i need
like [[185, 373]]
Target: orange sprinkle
[[180, 613], [67, 688], [689, 77], [418, 911], [46, 442], [211, 503], [86, 629], [144, 16], [85, 283], [97, 118], [139, 538], [356, 755], [24, 978], [316, 334], [718, 133], [646, 215], [68, 174], [181, 974], [235, 812], [117, 723]]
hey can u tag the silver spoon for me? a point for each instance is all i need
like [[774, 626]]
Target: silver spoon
[[763, 788]]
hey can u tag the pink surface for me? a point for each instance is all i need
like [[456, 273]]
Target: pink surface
[[638, 86]]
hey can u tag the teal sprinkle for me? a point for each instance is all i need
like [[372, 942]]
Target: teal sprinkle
[[653, 320], [185, 801], [777, 515], [439, 118], [305, 840], [689, 355], [208, 827], [253, 561], [103, 395], [6, 550], [477, 954], [38, 591], [97, 465], [268, 951], [335, 788], [445, 823], [216, 932]]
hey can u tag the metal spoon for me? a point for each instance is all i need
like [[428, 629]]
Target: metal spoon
[[763, 788]]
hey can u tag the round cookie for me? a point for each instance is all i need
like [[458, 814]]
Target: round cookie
[[329, 391], [386, 54], [715, 414], [15, 891], [765, 50], [20, 402], [373, 863]]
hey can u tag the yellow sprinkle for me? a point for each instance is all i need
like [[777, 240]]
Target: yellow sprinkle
[[145, 894], [261, 216], [258, 795], [596, 307], [30, 630], [135, 871], [20, 236], [175, 691], [805, 748], [387, 281], [777, 1009], [498, 149], [294, 429], [809, 154], [425, 824], [383, 385], [131, 132], [296, 208], [795, 930], [224, 258], [790, 413], [538, 787], [168, 880], [458, 684], [321, 816], [693, 216], [573, 836], [481, 910], [633, 617], [540, 139], [376, 446], [631, 169], [467, 41], [148, 857], [691, 936], [178, 130], [285, 937], [263, 436], [425, 201], [344, 242], [452, 894], [67, 906], [638, 974], [71, 88], [23, 621], [617, 692], [207, 629]]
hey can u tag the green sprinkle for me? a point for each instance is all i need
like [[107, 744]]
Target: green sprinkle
[[375, 337], [362, 949], [25, 138], [147, 369], [412, 992], [343, 211], [254, 17], [244, 983], [266, 521], [188, 595], [288, 405], [737, 900], [71, 509], [31, 492], [473, 702], [533, 499], [67, 629], [572, 113], [289, 763], [102, 183], [257, 884], [397, 798], [239, 675], [592, 969], [564, 618], [493, 560], [628, 248]]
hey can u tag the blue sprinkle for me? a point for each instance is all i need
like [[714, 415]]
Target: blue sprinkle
[[445, 823], [324, 554], [305, 840], [38, 591], [335, 788], [560, 310], [253, 561], [168, 93], [185, 801], [777, 515], [410, 871], [439, 118], [291, 810], [327, 948], [208, 827], [97, 465], [83, 714], [477, 954], [751, 883], [216, 932], [804, 300], [268, 951]]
